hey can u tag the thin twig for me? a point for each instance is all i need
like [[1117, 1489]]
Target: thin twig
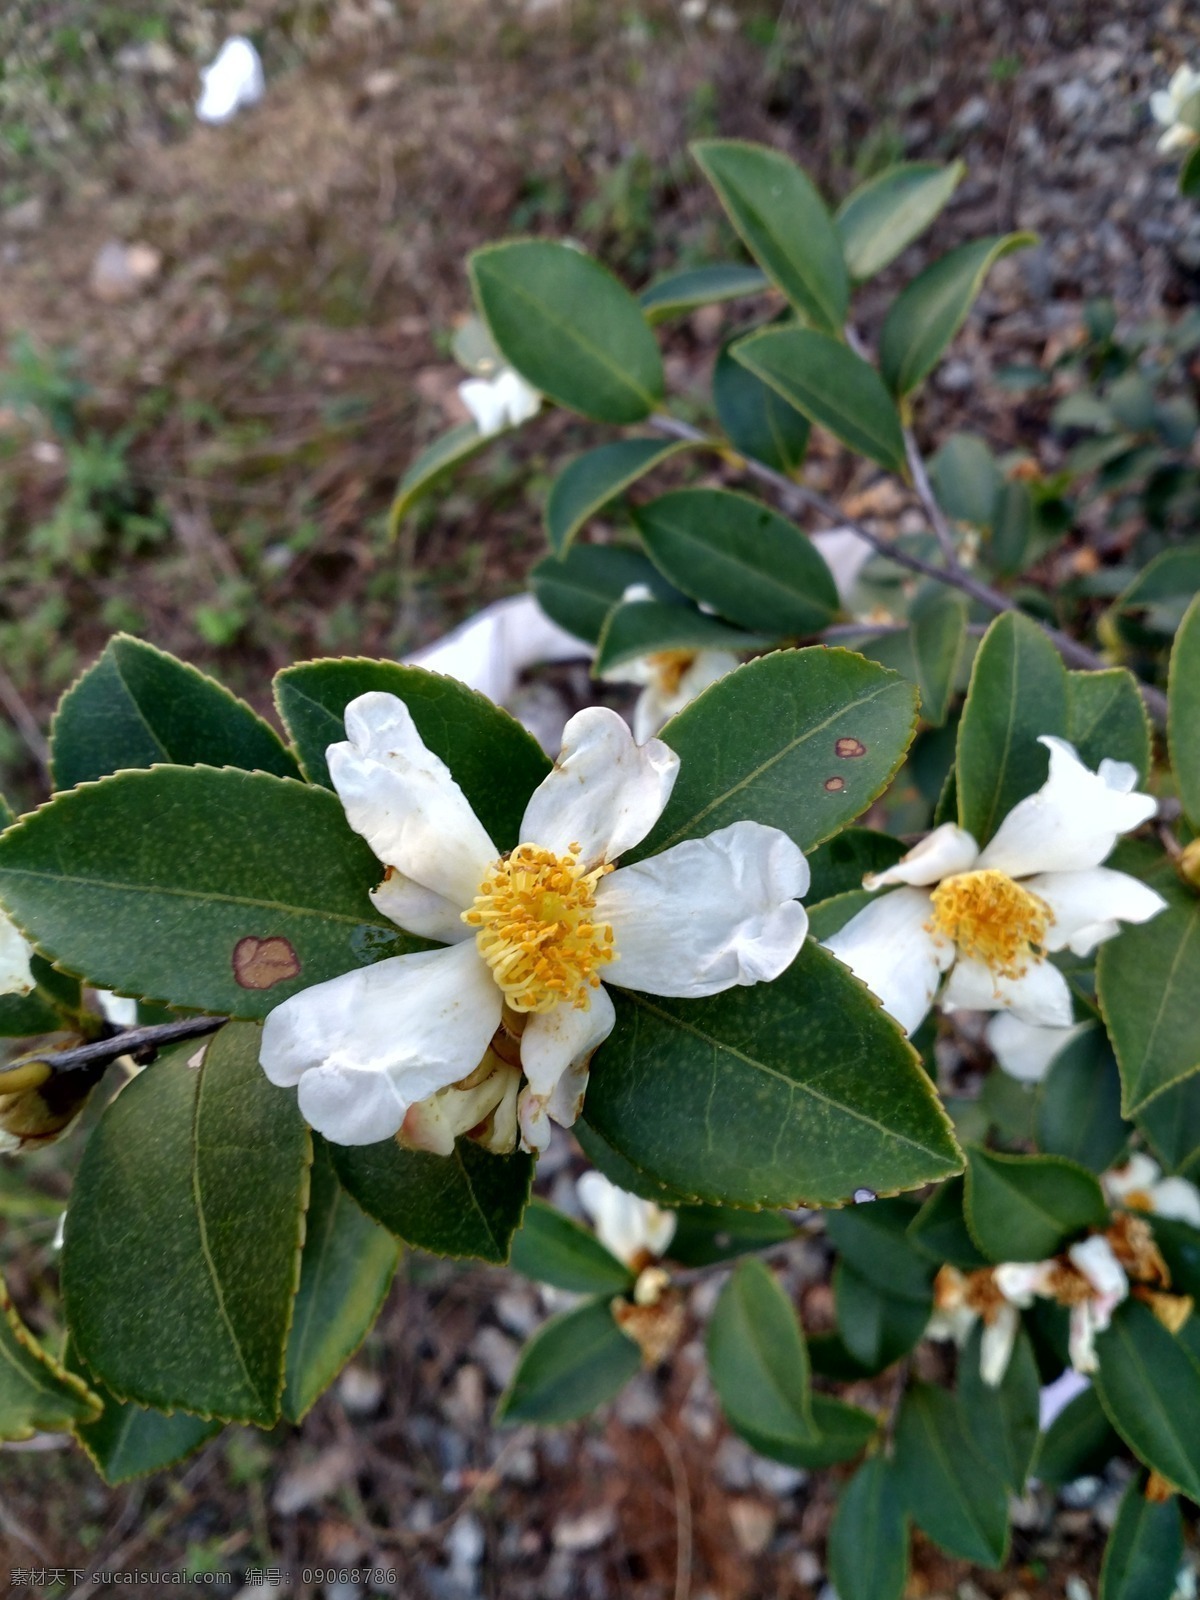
[[937, 517], [793, 495], [26, 722], [141, 1043], [805, 1226], [683, 1508]]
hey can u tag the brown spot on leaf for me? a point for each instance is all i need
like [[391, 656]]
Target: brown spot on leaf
[[835, 785], [262, 963], [849, 747]]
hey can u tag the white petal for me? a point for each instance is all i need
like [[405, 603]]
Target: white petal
[[1025, 1051], [486, 403], [1178, 1199], [410, 905], [651, 713], [940, 854], [953, 1322], [605, 792], [121, 1010], [1139, 1174], [556, 1049], [1095, 1258], [1020, 1281], [1081, 1338], [1057, 1396], [435, 1122], [16, 976], [405, 803], [1162, 106], [996, 1344], [1071, 822], [365, 1046], [1040, 995], [521, 399], [888, 946], [656, 706], [625, 1223], [1087, 903], [707, 914]]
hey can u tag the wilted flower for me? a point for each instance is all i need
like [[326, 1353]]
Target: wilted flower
[[960, 1299], [504, 401], [1177, 109], [1089, 1281], [635, 1230], [1140, 1186], [669, 680], [1023, 1049], [16, 975], [990, 917], [528, 934], [234, 80]]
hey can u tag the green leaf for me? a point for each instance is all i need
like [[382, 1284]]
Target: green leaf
[[877, 1328], [1150, 1387], [843, 1432], [1169, 581], [939, 637], [925, 317], [1023, 1208], [1002, 1419], [22, 1015], [593, 480], [1144, 1548], [1189, 175], [1171, 1122], [700, 286], [621, 1171], [573, 1364], [37, 1393], [883, 216], [784, 224], [580, 590], [757, 1359], [127, 1440], [1012, 522], [966, 479], [137, 705], [1183, 718], [831, 385], [1018, 693], [801, 1090], [552, 1248], [954, 1495], [636, 628], [1180, 1246], [705, 1234], [759, 423], [940, 1228], [569, 328], [840, 864], [495, 761], [345, 1273], [735, 554], [1147, 981], [868, 1542], [1079, 1108], [801, 740], [435, 463], [178, 1291], [1081, 1440], [1106, 719], [874, 1239], [218, 891], [467, 1204]]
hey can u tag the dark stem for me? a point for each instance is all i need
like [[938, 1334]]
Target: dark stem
[[793, 495], [143, 1044]]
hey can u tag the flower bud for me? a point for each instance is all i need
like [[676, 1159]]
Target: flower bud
[[37, 1104], [1188, 864]]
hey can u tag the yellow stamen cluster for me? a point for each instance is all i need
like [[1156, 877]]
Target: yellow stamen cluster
[[991, 919], [534, 928], [669, 667]]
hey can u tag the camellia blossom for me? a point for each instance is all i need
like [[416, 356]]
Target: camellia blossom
[[960, 1299], [504, 401], [1024, 1050], [528, 934], [16, 975], [1177, 109], [1140, 1186], [635, 1230], [990, 917], [1089, 1280], [669, 680]]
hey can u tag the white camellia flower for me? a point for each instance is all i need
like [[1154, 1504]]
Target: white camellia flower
[[1140, 1186], [527, 934], [1177, 109], [1090, 1281], [669, 680], [634, 1229], [504, 401], [990, 917], [1024, 1050], [16, 975], [960, 1299]]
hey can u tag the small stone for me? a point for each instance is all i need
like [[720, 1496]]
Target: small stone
[[1025, 1512], [972, 114], [464, 1403], [639, 1402], [753, 1524], [316, 1480], [733, 1464], [25, 217], [465, 1543], [1081, 1492], [378, 85], [497, 1354], [151, 56], [361, 1391], [520, 1467], [588, 1531], [806, 1569], [955, 377], [121, 272], [777, 1478], [516, 1310], [1076, 1589], [1107, 1506]]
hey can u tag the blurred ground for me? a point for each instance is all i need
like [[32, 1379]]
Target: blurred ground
[[202, 450]]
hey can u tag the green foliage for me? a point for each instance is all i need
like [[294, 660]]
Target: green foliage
[[634, 629], [551, 1248], [680, 292], [1185, 711], [868, 1542], [883, 216], [1149, 1385], [37, 1393], [1079, 1109], [573, 1364], [953, 1492], [1144, 1549], [758, 1361], [580, 590], [759, 422], [435, 463], [1024, 1208], [592, 481], [1002, 1419]]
